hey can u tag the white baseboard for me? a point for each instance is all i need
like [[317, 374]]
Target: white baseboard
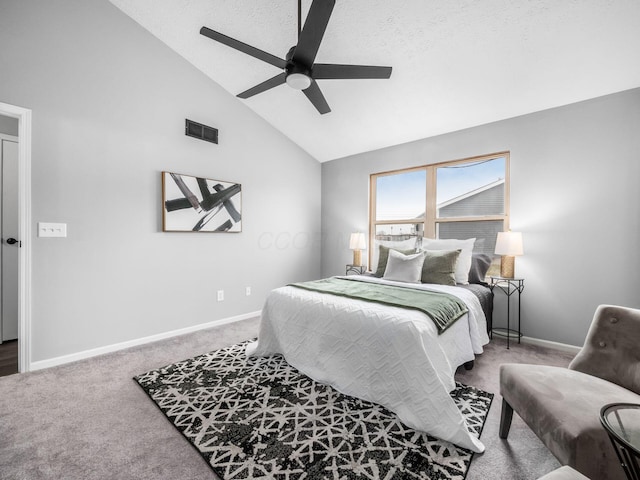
[[52, 362], [548, 343]]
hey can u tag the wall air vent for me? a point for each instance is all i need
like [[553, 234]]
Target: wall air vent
[[200, 131]]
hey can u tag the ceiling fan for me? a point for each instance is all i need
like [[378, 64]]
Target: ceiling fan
[[299, 70]]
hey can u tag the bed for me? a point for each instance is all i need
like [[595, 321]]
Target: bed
[[385, 354]]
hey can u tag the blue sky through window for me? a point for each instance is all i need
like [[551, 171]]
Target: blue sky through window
[[456, 180], [403, 195]]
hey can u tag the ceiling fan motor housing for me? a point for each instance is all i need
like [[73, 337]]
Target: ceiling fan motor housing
[[292, 68], [298, 75]]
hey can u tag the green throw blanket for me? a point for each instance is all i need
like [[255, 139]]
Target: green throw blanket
[[444, 309]]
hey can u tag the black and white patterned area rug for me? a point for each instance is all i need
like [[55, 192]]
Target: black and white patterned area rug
[[261, 418]]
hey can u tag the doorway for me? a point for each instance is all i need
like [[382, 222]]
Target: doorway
[[8, 245], [15, 235]]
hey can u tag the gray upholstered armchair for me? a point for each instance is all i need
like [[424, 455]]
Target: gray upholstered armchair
[[562, 405]]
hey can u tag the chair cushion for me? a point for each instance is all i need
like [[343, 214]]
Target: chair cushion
[[562, 407], [564, 473]]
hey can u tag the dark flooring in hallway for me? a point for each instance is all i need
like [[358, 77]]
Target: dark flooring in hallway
[[8, 358]]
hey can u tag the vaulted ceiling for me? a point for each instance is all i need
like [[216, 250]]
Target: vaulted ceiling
[[456, 64]]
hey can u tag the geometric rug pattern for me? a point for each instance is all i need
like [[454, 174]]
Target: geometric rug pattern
[[259, 418]]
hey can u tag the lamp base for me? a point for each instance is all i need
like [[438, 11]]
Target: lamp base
[[507, 266], [357, 258]]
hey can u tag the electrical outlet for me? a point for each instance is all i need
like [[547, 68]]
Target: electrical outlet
[[220, 295], [247, 291]]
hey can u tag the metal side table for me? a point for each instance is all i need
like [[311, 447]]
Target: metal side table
[[355, 269], [622, 423], [509, 286]]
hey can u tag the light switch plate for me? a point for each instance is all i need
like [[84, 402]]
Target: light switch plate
[[52, 229]]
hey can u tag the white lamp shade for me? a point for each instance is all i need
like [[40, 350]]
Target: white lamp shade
[[509, 243], [357, 242]]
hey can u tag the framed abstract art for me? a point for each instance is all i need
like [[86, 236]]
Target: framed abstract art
[[197, 204]]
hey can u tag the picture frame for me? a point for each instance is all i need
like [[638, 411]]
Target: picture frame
[[199, 204]]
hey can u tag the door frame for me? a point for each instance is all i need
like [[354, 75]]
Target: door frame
[[24, 231]]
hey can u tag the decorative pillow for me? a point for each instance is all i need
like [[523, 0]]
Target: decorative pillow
[[480, 263], [440, 266], [464, 260], [404, 268], [399, 245], [383, 255]]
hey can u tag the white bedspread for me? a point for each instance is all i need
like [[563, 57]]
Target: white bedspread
[[388, 355]]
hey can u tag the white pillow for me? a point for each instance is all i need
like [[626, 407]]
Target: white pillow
[[404, 268], [464, 260], [396, 244]]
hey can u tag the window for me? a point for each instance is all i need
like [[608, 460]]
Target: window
[[458, 199]]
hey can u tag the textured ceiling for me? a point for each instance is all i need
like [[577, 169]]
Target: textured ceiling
[[456, 64]]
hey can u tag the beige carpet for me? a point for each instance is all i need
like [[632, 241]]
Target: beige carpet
[[90, 420]]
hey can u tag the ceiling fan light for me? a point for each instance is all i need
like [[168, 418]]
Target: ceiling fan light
[[298, 81]]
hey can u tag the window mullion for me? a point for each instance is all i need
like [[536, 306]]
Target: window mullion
[[372, 216], [430, 207], [478, 218], [407, 221]]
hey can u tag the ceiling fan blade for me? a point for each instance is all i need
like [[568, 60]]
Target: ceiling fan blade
[[243, 47], [324, 71], [313, 31], [264, 86], [314, 94]]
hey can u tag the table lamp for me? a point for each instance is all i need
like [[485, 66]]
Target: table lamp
[[357, 244], [508, 245]]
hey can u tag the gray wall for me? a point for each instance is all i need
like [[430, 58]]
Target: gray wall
[[571, 167], [8, 125], [109, 103]]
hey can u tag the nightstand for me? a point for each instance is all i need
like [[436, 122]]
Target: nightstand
[[509, 286], [355, 269]]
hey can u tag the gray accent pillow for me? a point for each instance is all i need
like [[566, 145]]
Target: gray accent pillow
[[464, 261], [480, 263], [383, 256], [404, 268], [440, 266]]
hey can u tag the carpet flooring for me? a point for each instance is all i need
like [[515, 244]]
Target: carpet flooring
[[89, 420]]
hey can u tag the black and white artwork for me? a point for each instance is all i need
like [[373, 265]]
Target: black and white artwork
[[195, 204]]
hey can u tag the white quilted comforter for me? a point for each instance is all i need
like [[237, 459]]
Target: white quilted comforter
[[388, 355]]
